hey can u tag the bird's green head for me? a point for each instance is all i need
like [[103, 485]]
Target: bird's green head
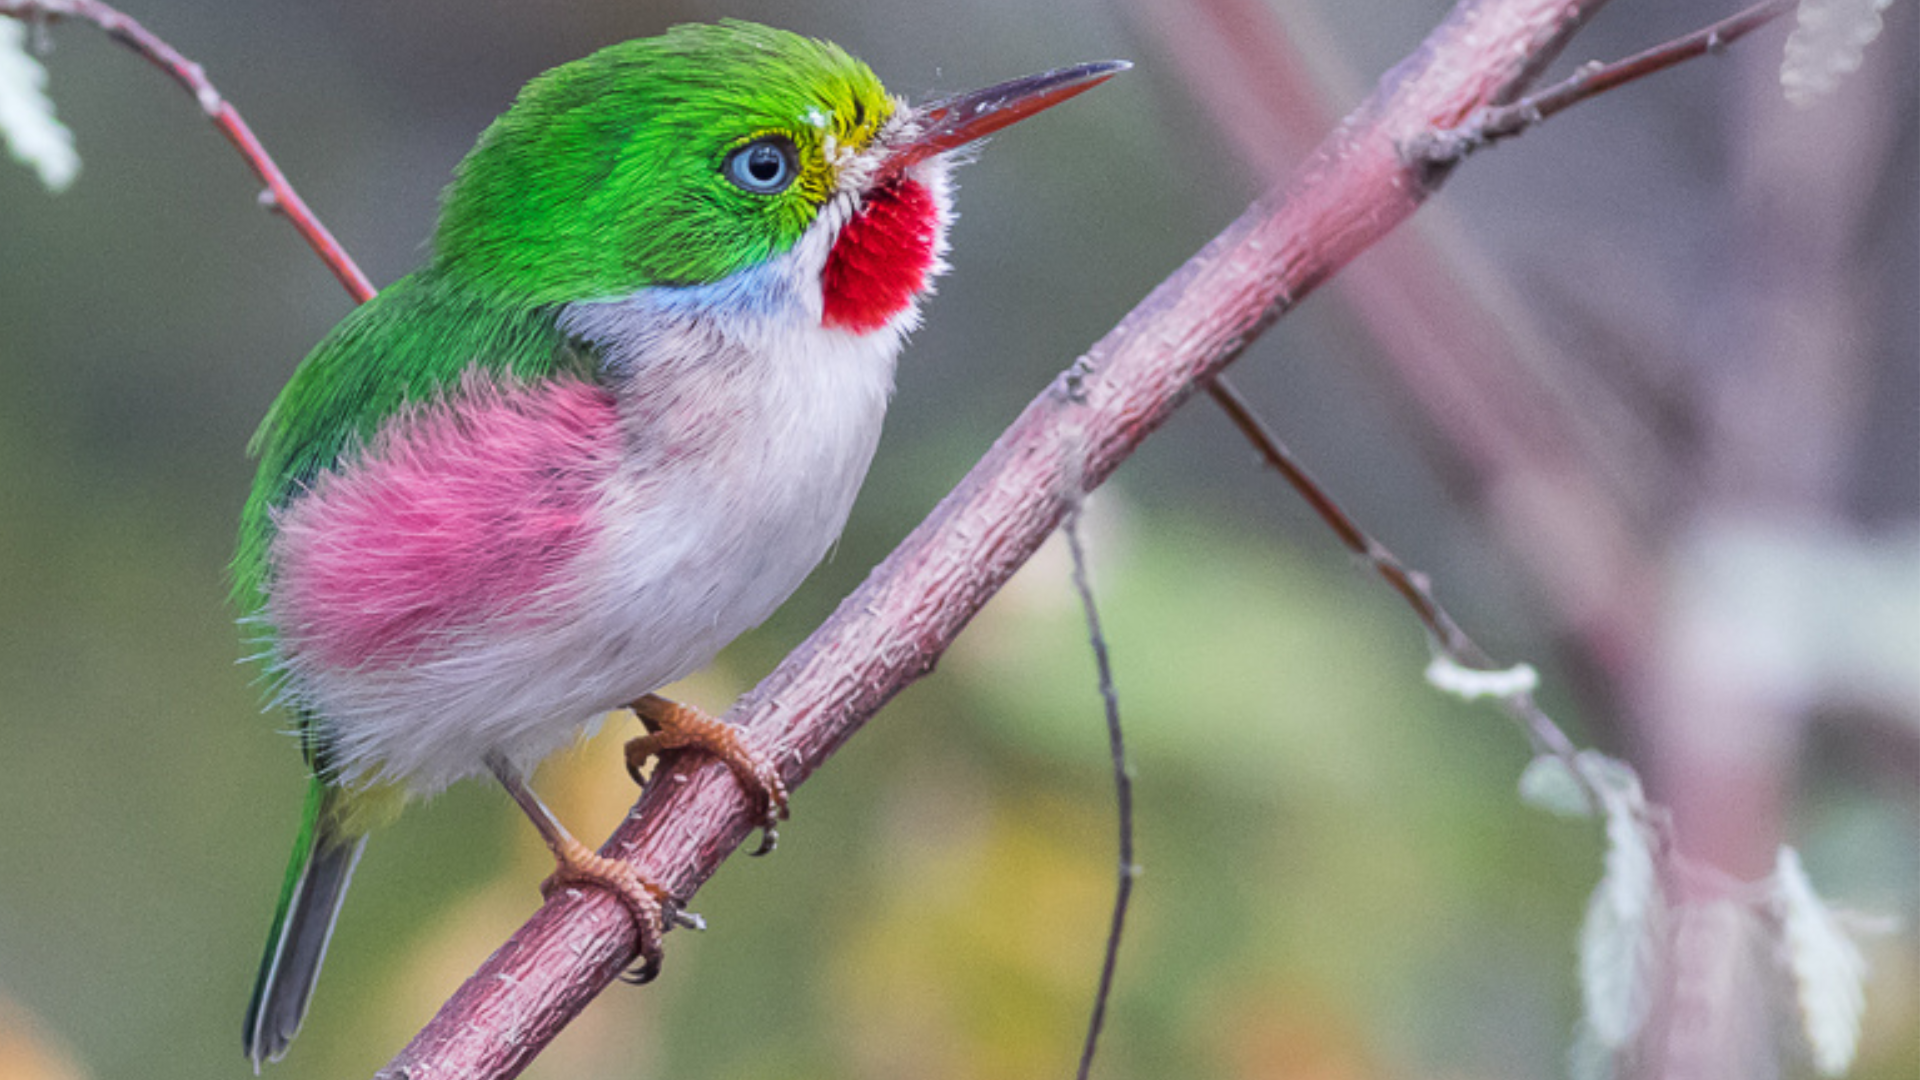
[[684, 158], [677, 159]]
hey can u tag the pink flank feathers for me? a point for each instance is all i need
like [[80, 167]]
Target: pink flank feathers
[[463, 519]]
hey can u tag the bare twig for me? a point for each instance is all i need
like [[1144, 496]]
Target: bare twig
[[1448, 639], [1122, 791], [1413, 587], [279, 194], [894, 627], [1491, 124]]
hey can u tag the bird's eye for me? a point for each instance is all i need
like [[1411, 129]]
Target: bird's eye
[[763, 166]]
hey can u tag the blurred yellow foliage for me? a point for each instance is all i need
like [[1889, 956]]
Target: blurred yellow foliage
[[29, 1050]]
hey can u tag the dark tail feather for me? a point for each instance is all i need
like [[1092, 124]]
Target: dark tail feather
[[323, 862]]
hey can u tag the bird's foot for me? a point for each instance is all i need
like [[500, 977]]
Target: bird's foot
[[671, 725], [649, 904]]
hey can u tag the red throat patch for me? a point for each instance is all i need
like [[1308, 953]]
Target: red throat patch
[[882, 258]]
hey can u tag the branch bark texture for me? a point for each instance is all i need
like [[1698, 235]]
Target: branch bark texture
[[1354, 189]]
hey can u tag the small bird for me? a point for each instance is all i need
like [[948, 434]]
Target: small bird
[[611, 424]]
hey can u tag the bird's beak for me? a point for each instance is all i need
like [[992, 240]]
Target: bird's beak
[[960, 120]]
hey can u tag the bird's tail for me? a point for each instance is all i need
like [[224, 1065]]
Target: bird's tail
[[324, 855]]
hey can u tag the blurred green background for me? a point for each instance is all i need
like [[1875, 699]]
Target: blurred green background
[[1339, 880]]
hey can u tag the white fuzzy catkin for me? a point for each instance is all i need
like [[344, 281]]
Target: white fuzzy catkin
[[1828, 971], [27, 124], [1619, 953], [1547, 784], [1444, 673], [1829, 42]]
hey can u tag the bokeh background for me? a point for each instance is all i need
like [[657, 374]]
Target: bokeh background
[[1692, 498]]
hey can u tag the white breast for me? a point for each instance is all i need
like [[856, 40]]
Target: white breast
[[743, 465], [748, 428], [747, 431]]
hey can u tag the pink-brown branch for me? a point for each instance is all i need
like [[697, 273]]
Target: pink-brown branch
[[279, 194], [1505, 121], [1354, 190]]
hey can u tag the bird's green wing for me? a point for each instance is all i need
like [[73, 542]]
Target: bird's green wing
[[411, 344]]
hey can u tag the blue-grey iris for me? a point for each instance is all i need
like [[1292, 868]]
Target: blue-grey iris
[[763, 166]]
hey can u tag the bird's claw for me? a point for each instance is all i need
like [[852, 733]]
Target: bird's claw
[[671, 726], [653, 911], [773, 792], [769, 838]]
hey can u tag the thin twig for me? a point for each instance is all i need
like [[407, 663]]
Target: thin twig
[[279, 194], [1490, 125], [1122, 789], [1448, 639]]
